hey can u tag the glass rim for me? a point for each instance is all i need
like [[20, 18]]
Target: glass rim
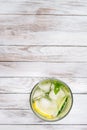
[[41, 117]]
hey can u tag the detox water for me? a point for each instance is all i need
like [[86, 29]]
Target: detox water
[[51, 99]]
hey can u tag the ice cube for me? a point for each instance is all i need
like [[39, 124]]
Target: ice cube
[[49, 107], [45, 86], [54, 96], [52, 86], [38, 93], [45, 102]]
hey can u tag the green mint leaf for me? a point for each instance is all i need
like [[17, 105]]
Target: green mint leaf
[[57, 86], [56, 89]]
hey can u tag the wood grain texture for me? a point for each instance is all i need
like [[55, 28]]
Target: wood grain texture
[[43, 53], [14, 101], [43, 30], [25, 85], [29, 33], [43, 69], [68, 7], [51, 38], [21, 102], [43, 127], [18, 116], [28, 118], [19, 25]]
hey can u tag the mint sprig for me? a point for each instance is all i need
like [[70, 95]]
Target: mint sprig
[[57, 86]]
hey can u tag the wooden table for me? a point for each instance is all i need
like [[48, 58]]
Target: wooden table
[[39, 39]]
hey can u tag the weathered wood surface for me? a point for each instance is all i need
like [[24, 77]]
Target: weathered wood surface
[[21, 101], [19, 25], [40, 39], [62, 7], [43, 53], [25, 84], [43, 127], [43, 69], [43, 30], [16, 115], [44, 38]]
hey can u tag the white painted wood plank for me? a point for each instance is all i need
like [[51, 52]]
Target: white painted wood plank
[[14, 101], [18, 24], [68, 7], [43, 53], [51, 38], [77, 114], [43, 30], [21, 101], [25, 85], [43, 69], [41, 23], [43, 127]]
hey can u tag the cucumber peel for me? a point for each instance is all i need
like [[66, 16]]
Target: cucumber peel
[[62, 105]]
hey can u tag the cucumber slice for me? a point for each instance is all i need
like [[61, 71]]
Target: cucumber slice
[[62, 104]]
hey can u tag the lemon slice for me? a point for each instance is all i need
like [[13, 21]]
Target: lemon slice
[[45, 108]]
